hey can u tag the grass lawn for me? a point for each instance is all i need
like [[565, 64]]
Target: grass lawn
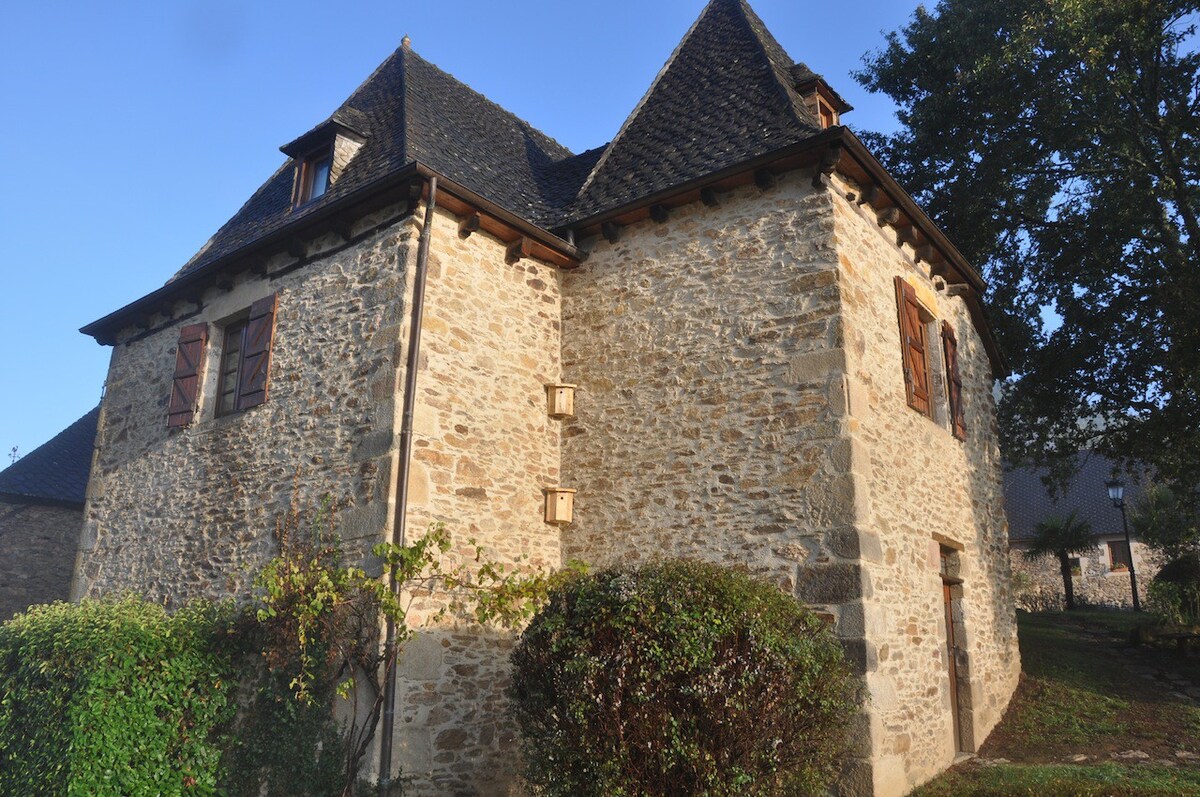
[[1077, 698]]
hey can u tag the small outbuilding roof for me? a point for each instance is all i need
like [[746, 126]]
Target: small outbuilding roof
[[1029, 501], [57, 471]]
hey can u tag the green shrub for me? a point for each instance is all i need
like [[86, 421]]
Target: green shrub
[[1175, 591], [112, 698], [678, 678]]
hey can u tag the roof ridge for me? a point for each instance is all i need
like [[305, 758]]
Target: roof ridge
[[608, 148]]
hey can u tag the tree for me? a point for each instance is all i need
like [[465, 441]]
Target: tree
[[1062, 537], [1056, 141], [1166, 524]]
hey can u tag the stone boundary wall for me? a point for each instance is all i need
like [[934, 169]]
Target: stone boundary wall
[[1038, 584], [37, 554], [914, 480]]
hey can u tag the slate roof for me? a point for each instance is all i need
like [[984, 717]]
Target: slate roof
[[409, 110], [57, 471], [725, 96], [1028, 501]]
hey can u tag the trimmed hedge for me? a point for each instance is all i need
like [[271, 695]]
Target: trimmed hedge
[[112, 698], [679, 678]]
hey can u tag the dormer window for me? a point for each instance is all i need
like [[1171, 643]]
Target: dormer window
[[825, 112], [313, 179], [820, 98], [321, 156]]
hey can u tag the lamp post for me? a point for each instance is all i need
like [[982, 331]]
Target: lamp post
[[1116, 493]]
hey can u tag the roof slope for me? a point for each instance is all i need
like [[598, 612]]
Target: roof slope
[[1028, 501], [409, 110], [58, 470], [726, 95]]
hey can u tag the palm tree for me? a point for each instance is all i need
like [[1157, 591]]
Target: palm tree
[[1062, 537]]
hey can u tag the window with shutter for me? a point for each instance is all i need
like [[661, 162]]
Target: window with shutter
[[256, 354], [246, 359], [189, 364], [912, 339], [954, 394]]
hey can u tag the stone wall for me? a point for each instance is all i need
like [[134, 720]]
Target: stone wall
[[711, 410], [37, 554], [1038, 584], [172, 515], [913, 480], [484, 449], [704, 426]]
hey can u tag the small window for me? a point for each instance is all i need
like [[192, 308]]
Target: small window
[[313, 177], [1076, 566], [246, 359], [825, 113], [231, 367], [1118, 555]]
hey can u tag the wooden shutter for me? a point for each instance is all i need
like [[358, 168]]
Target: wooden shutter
[[912, 340], [189, 365], [958, 421], [256, 356]]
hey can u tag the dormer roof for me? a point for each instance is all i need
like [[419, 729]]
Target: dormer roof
[[323, 133]]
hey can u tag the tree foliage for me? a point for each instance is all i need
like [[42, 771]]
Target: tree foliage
[[319, 617], [679, 679], [1057, 143], [1061, 537], [1165, 523]]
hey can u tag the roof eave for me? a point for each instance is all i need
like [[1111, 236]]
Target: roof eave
[[105, 329], [806, 152]]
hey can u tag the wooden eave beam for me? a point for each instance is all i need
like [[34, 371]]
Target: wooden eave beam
[[469, 224]]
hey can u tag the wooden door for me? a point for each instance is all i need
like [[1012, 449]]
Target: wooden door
[[952, 660]]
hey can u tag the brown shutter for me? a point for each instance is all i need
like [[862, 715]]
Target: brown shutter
[[958, 419], [256, 357], [912, 340], [189, 365]]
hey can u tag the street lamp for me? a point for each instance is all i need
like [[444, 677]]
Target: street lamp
[[1116, 494]]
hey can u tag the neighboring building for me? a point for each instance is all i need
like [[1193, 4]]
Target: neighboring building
[[1101, 575], [41, 514], [778, 361]]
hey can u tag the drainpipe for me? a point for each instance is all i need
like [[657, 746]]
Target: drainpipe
[[406, 429]]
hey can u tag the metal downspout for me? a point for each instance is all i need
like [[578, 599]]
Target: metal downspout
[[401, 509]]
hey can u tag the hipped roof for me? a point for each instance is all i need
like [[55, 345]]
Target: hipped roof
[[727, 97]]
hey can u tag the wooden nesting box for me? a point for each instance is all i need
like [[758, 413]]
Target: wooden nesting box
[[560, 505], [560, 400]]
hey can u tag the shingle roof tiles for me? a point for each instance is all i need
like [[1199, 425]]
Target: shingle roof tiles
[[724, 97], [57, 471], [1028, 501]]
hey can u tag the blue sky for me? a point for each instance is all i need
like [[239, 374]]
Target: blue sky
[[132, 130]]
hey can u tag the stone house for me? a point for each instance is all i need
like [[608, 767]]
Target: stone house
[[1100, 576], [727, 334], [41, 513]]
